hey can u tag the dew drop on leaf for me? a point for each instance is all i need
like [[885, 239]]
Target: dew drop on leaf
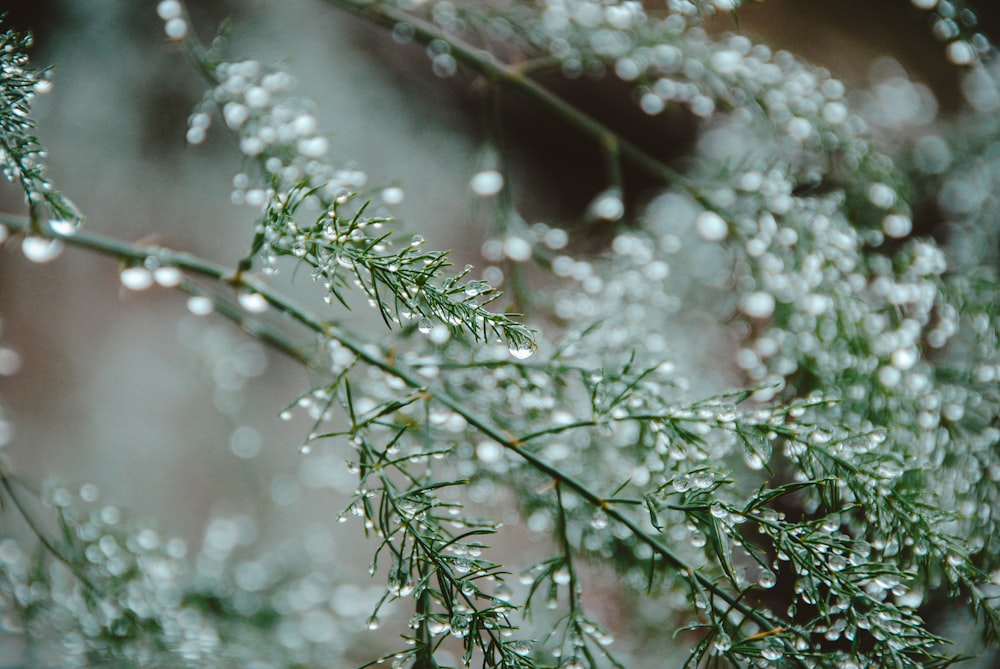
[[681, 484], [63, 227], [753, 460], [519, 647], [772, 653], [521, 351]]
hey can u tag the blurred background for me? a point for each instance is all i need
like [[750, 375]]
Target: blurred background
[[174, 417]]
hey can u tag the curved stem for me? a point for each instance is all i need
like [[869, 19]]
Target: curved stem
[[5, 482], [515, 78]]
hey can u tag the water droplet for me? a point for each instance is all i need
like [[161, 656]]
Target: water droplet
[[799, 129], [444, 65], [486, 183], [561, 576], [437, 627], [772, 653], [821, 435], [489, 452], [168, 277], [393, 195], [608, 206], [40, 250], [722, 642], [681, 484], [521, 351], [136, 278], [519, 647], [169, 9], [285, 415], [757, 305], [199, 305], [960, 52], [63, 227], [425, 325], [10, 363], [877, 436], [175, 29], [599, 520], [89, 493], [459, 626], [440, 334], [703, 480], [897, 226], [711, 227], [373, 623], [305, 449], [754, 460], [517, 248], [767, 579], [253, 302], [904, 358]]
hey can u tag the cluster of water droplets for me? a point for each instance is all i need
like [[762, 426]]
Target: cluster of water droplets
[[343, 245], [202, 609], [274, 127], [175, 22], [956, 26]]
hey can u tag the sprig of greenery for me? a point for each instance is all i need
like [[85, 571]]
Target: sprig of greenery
[[342, 245], [22, 157], [658, 483]]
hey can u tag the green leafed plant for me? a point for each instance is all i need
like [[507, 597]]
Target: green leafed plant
[[814, 519]]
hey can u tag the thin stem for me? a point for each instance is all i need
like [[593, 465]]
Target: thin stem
[[5, 481]]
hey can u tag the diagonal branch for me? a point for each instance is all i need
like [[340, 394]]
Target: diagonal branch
[[515, 78]]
